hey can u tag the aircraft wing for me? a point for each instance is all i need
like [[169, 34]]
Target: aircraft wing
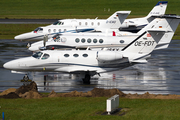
[[100, 46]]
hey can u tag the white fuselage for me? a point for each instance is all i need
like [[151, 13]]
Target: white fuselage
[[85, 40], [70, 61]]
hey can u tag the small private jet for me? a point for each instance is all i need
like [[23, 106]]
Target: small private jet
[[91, 62], [77, 25], [98, 41], [113, 23]]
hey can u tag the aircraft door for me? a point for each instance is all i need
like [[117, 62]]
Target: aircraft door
[[56, 58], [74, 23]]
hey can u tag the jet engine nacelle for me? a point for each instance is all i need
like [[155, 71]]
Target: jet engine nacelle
[[125, 25], [107, 56]]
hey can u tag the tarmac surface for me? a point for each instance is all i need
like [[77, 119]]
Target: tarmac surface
[[161, 75]]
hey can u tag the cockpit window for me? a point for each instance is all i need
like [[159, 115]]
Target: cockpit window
[[56, 38], [58, 23], [45, 56], [38, 29], [37, 55]]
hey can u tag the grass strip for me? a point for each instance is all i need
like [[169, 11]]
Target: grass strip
[[87, 108]]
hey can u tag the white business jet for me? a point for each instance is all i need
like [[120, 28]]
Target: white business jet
[[91, 62], [113, 23], [98, 41], [77, 25]]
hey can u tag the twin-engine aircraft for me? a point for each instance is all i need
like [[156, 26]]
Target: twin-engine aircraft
[[91, 62], [98, 41], [113, 23]]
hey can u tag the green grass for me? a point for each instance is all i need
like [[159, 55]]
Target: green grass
[[9, 31], [77, 108], [59, 9]]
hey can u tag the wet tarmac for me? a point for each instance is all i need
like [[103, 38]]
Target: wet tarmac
[[161, 75]]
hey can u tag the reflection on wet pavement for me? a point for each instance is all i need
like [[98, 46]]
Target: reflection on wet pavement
[[161, 75]]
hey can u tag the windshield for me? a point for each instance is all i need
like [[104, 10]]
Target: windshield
[[38, 29], [56, 38], [37, 55], [58, 23]]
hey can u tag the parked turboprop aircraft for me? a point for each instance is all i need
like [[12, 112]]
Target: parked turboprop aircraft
[[84, 25], [77, 25], [103, 40], [91, 62]]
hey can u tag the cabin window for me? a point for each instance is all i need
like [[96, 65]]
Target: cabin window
[[54, 30], [79, 23], [37, 55], [75, 55], [83, 40], [66, 55], [121, 41], [49, 30], [92, 23], [89, 40], [86, 23], [85, 55], [95, 40], [77, 40], [45, 56], [64, 30], [59, 30], [98, 23], [101, 41]]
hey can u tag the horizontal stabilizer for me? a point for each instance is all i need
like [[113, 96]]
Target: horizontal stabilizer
[[158, 30]]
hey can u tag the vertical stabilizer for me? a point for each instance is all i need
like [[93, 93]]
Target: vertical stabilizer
[[115, 21], [159, 9], [149, 39]]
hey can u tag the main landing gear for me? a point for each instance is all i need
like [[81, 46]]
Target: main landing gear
[[86, 79]]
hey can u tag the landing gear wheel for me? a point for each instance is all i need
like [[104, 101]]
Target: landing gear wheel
[[86, 80]]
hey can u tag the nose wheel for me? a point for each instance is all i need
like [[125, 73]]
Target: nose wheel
[[86, 79]]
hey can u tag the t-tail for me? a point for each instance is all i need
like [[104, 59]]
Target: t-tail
[[114, 21], [170, 23], [159, 9], [143, 45]]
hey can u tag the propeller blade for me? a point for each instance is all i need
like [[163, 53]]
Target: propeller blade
[[45, 40]]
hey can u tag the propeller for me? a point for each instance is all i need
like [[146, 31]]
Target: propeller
[[45, 40]]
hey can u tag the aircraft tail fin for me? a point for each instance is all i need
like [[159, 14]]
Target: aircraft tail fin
[[159, 9], [143, 45], [115, 21]]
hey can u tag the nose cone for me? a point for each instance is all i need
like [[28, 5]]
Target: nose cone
[[10, 65], [33, 48], [24, 36]]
